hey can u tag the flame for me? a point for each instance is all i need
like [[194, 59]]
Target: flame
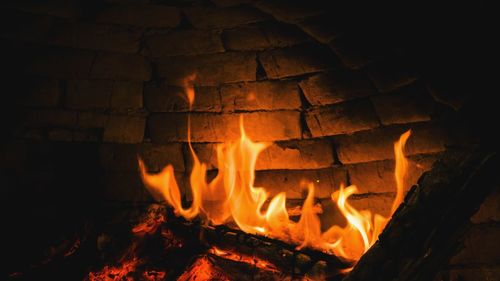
[[232, 197]]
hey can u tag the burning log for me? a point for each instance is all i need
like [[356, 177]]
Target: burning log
[[427, 227], [263, 253], [167, 247]]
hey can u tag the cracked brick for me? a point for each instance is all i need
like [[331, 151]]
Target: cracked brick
[[343, 118], [336, 86], [297, 60]]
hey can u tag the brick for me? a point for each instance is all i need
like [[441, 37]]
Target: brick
[[297, 60], [124, 129], [206, 127], [24, 26], [477, 247], [62, 63], [157, 156], [390, 74], [287, 11], [41, 92], [336, 86], [378, 176], [51, 118], [164, 98], [263, 36], [296, 155], [184, 42], [210, 70], [121, 67], [212, 18], [140, 15], [88, 94], [126, 95], [489, 210], [407, 105], [470, 274], [378, 144], [323, 27], [294, 182], [307, 154], [95, 37], [267, 95], [344, 118], [355, 51]]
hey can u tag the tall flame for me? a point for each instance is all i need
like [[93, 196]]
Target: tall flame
[[232, 197]]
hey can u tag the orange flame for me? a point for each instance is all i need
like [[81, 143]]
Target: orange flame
[[232, 196]]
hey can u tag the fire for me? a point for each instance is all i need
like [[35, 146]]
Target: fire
[[203, 269], [114, 273], [232, 197], [259, 263]]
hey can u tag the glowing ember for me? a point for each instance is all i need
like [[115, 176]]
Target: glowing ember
[[114, 273], [149, 225], [259, 263], [128, 266], [203, 269], [232, 196], [153, 275]]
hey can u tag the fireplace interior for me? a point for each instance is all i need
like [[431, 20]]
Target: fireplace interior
[[247, 140]]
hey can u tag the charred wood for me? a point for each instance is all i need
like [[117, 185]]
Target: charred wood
[[427, 227]]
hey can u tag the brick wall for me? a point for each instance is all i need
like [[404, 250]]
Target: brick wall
[[111, 74]]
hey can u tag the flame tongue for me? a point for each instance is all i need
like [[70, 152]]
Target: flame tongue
[[232, 196]]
